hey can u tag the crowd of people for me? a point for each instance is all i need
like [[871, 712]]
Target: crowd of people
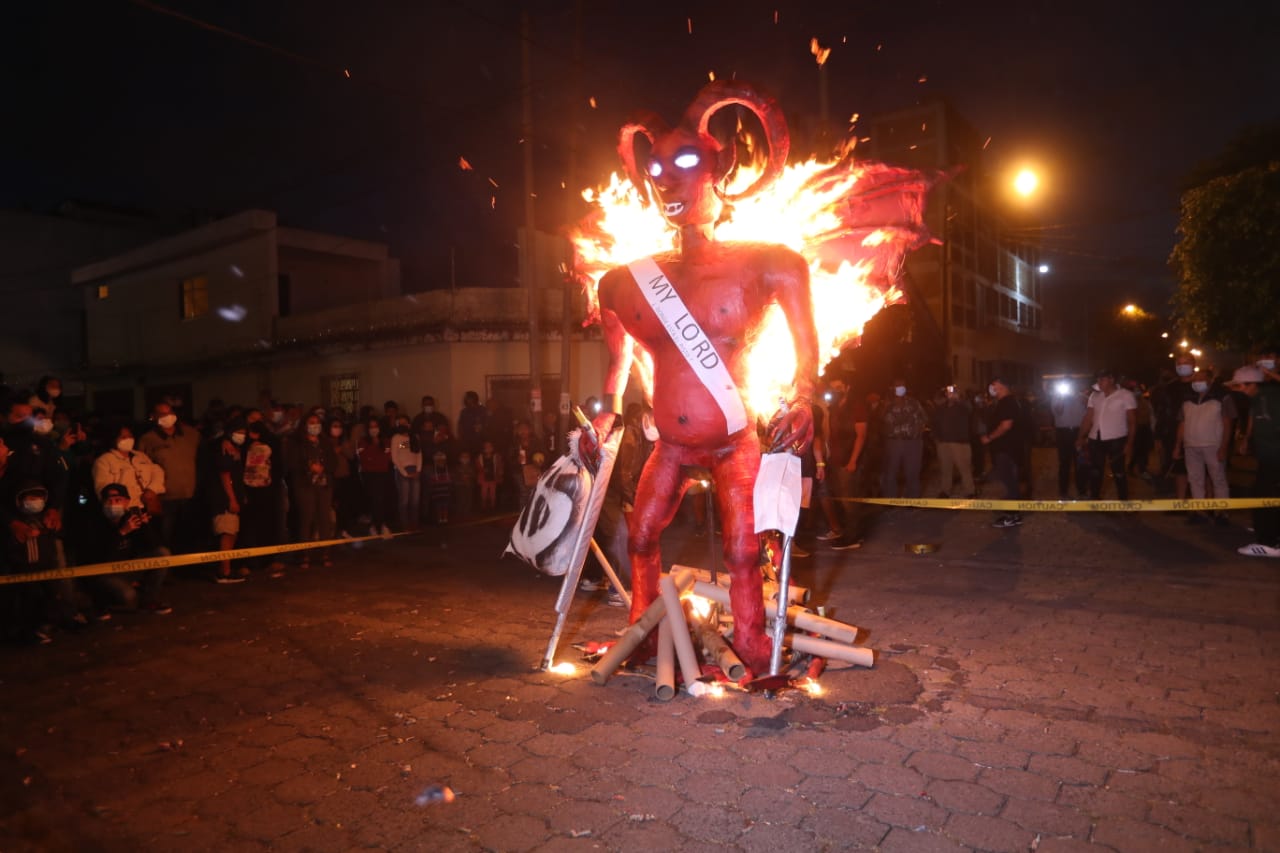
[[77, 489], [1181, 430]]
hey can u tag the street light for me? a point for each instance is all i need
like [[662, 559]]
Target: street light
[[1026, 182], [1043, 268]]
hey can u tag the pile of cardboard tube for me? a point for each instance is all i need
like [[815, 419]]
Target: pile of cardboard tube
[[814, 635]]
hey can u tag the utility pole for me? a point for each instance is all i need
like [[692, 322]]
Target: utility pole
[[528, 246], [571, 275]]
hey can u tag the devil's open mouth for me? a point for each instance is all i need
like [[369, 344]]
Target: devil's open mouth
[[673, 208]]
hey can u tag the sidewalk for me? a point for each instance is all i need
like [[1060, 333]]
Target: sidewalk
[[1099, 681]]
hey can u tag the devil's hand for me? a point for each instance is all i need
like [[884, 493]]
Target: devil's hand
[[792, 429], [589, 448]]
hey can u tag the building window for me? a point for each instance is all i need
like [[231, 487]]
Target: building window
[[195, 297], [103, 291], [341, 392]]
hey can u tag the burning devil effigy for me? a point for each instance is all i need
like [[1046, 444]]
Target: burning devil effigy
[[723, 279]]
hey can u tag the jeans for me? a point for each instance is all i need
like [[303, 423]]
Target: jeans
[[1266, 520], [904, 454], [1069, 461], [952, 456], [409, 498], [1101, 453]]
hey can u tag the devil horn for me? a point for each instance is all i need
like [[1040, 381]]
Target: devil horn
[[650, 126], [723, 93]]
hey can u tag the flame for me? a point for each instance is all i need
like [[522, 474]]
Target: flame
[[812, 687], [798, 210], [564, 668], [700, 606]]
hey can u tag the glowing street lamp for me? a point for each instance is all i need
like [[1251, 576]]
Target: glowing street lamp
[[1026, 182], [1042, 269], [1131, 310], [1164, 334]]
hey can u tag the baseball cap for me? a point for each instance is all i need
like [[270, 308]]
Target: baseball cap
[[113, 490], [1248, 373]]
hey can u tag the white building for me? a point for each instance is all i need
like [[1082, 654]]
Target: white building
[[246, 310]]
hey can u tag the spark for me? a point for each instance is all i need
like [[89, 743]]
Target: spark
[[236, 271], [347, 72], [592, 102], [689, 21], [494, 183], [985, 144], [923, 79], [564, 668], [463, 164], [233, 313], [819, 52]]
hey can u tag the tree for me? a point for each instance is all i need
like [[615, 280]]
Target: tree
[[1227, 259]]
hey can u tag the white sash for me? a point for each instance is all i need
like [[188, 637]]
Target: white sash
[[692, 342]]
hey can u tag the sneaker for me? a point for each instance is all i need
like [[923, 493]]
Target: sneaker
[[849, 545], [830, 535], [799, 553], [589, 585], [228, 579], [386, 531], [1257, 549], [1006, 521], [615, 600], [157, 607], [342, 534]]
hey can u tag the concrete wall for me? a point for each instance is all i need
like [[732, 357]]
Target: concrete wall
[[140, 320]]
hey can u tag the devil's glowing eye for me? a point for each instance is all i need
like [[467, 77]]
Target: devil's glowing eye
[[687, 159], [655, 169]]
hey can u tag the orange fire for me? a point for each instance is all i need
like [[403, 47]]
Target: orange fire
[[801, 211]]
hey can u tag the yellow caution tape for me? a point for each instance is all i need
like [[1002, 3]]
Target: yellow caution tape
[[175, 560], [1204, 505]]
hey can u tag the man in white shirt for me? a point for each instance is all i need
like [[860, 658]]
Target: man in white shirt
[[1108, 428]]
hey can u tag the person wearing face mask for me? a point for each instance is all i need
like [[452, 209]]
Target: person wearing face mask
[[225, 495], [312, 465], [29, 612], [406, 458], [430, 427], [348, 496], [373, 458], [121, 531], [904, 420], [174, 446], [1166, 408], [1108, 432], [1259, 383], [33, 457], [131, 468], [262, 507], [1204, 439], [1005, 445], [48, 395]]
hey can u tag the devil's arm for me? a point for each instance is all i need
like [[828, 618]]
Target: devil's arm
[[621, 349]]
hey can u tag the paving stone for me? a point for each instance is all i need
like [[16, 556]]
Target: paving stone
[[1071, 770], [709, 823], [819, 763], [964, 797], [906, 811], [643, 770], [891, 779], [1098, 803], [845, 829], [1018, 783], [596, 818], [989, 833], [1126, 834], [512, 832], [1200, 824], [834, 793], [1047, 818], [548, 771], [918, 841], [269, 822], [712, 788], [936, 765], [993, 754], [773, 805], [764, 838]]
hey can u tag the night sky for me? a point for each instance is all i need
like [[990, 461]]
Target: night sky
[[214, 106]]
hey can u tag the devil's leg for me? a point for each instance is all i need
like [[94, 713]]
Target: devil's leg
[[735, 476], [658, 497]]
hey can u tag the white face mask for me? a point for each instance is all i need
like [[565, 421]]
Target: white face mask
[[237, 438], [167, 421], [1199, 387], [124, 445], [426, 410], [991, 389], [1267, 363], [33, 506], [54, 393], [336, 432], [313, 429], [900, 390], [1185, 369], [42, 426], [115, 512], [277, 417]]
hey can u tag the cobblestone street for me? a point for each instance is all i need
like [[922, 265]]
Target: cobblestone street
[[1084, 681]]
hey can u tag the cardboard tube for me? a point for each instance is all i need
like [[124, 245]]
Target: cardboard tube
[[689, 669], [835, 651], [664, 685], [795, 594], [634, 635], [798, 616], [719, 651]]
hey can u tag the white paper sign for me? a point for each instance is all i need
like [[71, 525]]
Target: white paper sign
[[777, 493]]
